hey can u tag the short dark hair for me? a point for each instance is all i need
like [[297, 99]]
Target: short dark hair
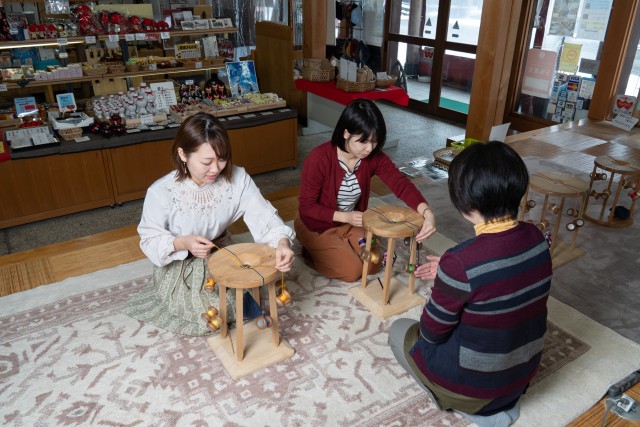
[[201, 128], [489, 178], [361, 116]]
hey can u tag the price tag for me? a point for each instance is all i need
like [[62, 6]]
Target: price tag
[[133, 130], [140, 36], [173, 125], [90, 39], [147, 119], [164, 35], [188, 82], [129, 37], [156, 127], [82, 139], [3, 87], [198, 64], [114, 38], [62, 41], [63, 55], [153, 67]]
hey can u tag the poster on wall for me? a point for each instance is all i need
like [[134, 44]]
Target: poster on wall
[[594, 19], [563, 17], [242, 77], [570, 58], [538, 74]]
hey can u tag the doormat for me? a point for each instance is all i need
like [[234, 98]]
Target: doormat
[[451, 104]]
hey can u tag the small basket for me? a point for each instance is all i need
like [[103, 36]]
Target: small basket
[[349, 86], [387, 82], [321, 75], [116, 68], [69, 134], [132, 67], [94, 70]]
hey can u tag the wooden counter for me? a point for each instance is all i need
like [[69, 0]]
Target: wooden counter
[[74, 177]]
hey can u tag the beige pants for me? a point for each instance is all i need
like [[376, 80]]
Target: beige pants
[[335, 253]]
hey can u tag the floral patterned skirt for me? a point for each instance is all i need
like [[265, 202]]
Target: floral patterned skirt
[[174, 299]]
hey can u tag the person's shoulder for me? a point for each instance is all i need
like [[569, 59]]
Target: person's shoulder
[[164, 181]]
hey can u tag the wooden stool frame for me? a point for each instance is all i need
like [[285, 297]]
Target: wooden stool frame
[[390, 222], [614, 167], [246, 266], [562, 186]]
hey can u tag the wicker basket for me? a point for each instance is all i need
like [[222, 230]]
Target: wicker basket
[[387, 82], [321, 75], [133, 67], [70, 134], [116, 68], [349, 86], [94, 70]]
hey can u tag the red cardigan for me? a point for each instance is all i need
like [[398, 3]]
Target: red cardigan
[[321, 178]]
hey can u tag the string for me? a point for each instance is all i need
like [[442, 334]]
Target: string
[[237, 260], [411, 225]]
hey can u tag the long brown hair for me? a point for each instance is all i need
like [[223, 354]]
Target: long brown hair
[[201, 128]]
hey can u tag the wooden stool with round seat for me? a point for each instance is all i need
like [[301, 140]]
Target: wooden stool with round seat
[[247, 266], [389, 297]]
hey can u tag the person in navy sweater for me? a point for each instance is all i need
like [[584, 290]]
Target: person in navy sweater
[[479, 340]]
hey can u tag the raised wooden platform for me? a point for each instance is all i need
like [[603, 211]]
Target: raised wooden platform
[[259, 351], [400, 300]]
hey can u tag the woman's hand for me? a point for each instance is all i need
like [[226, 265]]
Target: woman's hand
[[428, 226], [428, 270], [284, 256], [197, 245], [354, 218]]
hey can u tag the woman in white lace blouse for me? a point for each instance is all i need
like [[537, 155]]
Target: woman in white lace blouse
[[188, 210]]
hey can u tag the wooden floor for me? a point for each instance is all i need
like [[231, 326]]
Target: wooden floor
[[577, 144]]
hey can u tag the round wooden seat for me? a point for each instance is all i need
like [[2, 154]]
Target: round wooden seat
[[392, 221], [244, 265]]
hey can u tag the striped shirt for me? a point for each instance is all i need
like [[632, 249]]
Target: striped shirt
[[349, 191], [482, 331]]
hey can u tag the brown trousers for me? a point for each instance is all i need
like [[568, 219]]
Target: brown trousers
[[334, 253]]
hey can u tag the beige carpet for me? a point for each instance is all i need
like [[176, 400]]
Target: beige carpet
[[68, 357]]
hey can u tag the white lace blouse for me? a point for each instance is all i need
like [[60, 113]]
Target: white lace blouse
[[173, 209]]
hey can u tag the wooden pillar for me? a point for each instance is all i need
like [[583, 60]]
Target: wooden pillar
[[494, 57], [314, 29], [619, 32]]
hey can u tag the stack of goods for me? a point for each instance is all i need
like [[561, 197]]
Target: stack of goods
[[225, 106], [132, 107]]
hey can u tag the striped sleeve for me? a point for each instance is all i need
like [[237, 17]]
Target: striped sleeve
[[450, 293]]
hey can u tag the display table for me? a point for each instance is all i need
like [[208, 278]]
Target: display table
[[325, 103], [48, 181]]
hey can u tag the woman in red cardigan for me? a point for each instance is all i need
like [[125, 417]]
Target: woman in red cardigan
[[334, 192]]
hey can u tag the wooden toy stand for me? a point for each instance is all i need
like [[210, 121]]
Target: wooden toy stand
[[393, 297], [560, 187], [628, 180], [240, 267]]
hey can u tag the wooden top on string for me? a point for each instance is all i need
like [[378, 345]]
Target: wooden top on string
[[392, 221], [244, 265]]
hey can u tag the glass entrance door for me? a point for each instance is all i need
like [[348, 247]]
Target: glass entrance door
[[432, 43]]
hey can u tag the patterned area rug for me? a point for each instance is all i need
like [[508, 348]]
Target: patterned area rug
[[76, 360]]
